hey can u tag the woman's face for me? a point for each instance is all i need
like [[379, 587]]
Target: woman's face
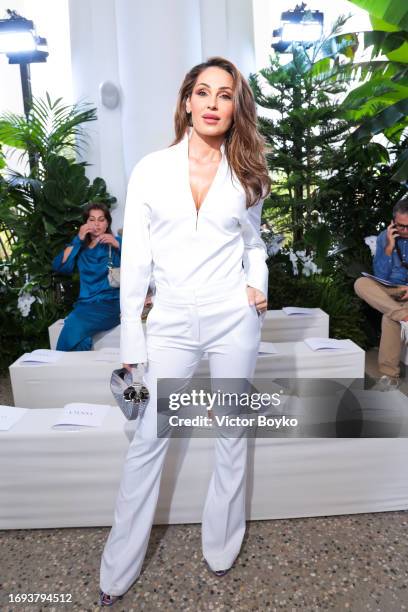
[[211, 102], [97, 222]]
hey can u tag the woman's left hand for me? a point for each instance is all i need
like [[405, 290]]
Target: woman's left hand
[[109, 239], [257, 298]]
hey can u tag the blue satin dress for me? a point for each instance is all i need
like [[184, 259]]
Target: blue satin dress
[[98, 307]]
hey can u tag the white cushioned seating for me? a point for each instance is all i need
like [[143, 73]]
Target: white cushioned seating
[[70, 478], [277, 327], [105, 339], [297, 360], [280, 327], [81, 377], [77, 377]]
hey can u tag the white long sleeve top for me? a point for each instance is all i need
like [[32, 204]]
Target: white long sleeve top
[[164, 235]]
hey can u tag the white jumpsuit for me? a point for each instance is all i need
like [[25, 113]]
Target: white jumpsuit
[[202, 263]]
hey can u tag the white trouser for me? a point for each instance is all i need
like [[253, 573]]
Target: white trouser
[[180, 328]]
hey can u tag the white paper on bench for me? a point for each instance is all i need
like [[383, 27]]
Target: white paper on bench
[[42, 356], [84, 415], [316, 344], [9, 416], [294, 310]]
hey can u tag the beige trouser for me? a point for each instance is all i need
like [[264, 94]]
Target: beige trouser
[[382, 298]]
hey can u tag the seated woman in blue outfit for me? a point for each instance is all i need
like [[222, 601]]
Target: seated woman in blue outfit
[[98, 307]]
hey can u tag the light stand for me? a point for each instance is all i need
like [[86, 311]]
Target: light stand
[[299, 27], [22, 46]]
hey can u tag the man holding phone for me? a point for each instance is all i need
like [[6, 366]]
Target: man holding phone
[[390, 264]]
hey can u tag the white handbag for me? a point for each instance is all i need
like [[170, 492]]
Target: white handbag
[[113, 273]]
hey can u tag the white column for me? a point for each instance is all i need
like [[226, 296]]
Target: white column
[[94, 61], [227, 29], [158, 42], [241, 45]]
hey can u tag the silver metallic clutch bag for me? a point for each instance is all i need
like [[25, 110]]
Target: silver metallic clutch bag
[[131, 395], [113, 273]]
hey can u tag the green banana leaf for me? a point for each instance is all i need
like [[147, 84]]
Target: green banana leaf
[[372, 96], [387, 118], [402, 172], [391, 11], [396, 55], [386, 42]]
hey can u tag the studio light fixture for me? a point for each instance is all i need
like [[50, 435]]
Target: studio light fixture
[[298, 26], [19, 41]]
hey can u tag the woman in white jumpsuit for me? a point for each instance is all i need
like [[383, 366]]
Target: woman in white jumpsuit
[[192, 218]]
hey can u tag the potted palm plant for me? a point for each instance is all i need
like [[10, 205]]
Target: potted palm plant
[[39, 211]]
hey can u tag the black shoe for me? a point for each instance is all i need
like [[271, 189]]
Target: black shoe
[[108, 600], [220, 573]]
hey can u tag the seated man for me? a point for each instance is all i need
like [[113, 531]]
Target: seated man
[[391, 264]]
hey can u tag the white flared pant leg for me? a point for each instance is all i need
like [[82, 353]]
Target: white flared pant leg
[[230, 333], [136, 501], [224, 518]]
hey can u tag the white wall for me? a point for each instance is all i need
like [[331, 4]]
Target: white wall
[[227, 30], [158, 41], [95, 60]]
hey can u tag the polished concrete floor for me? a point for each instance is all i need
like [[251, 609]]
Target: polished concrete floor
[[354, 562]]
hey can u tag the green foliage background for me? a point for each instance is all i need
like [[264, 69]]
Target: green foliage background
[[40, 211], [334, 182]]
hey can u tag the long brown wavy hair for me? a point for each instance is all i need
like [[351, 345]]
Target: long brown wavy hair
[[244, 146]]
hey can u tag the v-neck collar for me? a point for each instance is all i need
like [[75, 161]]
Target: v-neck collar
[[184, 150]]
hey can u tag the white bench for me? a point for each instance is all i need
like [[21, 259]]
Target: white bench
[[81, 377], [280, 327], [277, 327], [71, 478], [297, 360], [77, 377], [105, 339]]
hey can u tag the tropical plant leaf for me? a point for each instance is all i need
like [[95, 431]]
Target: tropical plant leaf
[[387, 118], [384, 42], [392, 11], [401, 175], [51, 128]]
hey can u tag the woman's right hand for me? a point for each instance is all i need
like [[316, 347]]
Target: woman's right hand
[[84, 230]]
